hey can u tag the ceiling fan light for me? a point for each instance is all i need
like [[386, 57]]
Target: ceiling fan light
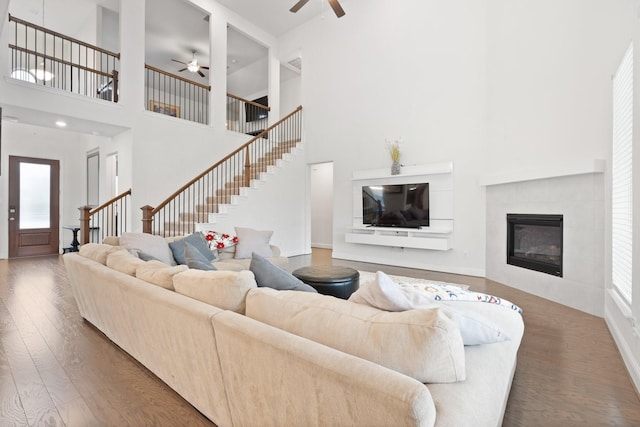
[[193, 67], [42, 74]]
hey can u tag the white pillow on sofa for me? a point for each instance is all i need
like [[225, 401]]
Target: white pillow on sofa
[[423, 344], [253, 241], [150, 244], [385, 294]]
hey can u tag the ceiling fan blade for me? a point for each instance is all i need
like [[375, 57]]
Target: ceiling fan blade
[[296, 7], [201, 73], [336, 8], [184, 69], [204, 68], [181, 62]]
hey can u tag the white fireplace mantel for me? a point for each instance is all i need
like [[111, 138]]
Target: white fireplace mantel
[[574, 167]]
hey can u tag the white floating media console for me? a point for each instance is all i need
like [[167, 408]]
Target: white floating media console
[[437, 236]]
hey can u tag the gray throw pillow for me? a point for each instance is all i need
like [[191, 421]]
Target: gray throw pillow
[[197, 241], [194, 258], [147, 257], [270, 275]]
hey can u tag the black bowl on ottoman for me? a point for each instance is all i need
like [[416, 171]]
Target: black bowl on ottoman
[[332, 280]]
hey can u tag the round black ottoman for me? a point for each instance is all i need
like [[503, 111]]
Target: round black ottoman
[[333, 280]]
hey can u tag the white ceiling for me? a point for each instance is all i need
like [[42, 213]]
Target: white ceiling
[[273, 16]]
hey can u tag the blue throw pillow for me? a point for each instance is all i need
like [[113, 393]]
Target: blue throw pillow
[[197, 241], [194, 259], [270, 275]]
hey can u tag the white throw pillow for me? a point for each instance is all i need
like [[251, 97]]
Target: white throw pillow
[[385, 294], [253, 241], [156, 246]]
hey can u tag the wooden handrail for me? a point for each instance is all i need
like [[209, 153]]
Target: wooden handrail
[[244, 146], [175, 76], [110, 202], [61, 61], [86, 212], [246, 101], [62, 36]]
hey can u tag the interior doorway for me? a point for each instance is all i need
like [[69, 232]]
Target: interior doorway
[[34, 206], [111, 176], [322, 205]]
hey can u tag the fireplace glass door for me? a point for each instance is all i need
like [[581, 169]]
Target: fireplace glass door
[[535, 242]]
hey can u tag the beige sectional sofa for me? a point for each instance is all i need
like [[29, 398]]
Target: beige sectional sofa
[[241, 371]]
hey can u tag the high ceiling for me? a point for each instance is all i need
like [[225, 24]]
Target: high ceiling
[[175, 28]]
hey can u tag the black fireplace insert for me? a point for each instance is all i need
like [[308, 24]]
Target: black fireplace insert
[[535, 242]]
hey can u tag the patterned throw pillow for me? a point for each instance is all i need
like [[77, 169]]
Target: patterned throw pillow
[[220, 241]]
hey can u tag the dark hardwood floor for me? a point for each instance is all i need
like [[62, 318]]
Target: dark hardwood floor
[[58, 370]]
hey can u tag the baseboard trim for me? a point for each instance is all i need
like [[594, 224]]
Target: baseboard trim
[[630, 361], [477, 272], [322, 245]]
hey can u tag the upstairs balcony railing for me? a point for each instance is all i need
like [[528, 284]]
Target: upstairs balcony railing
[[108, 219], [172, 95], [48, 58], [246, 116]]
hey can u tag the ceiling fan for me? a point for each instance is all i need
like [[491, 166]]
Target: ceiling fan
[[192, 66], [337, 9]]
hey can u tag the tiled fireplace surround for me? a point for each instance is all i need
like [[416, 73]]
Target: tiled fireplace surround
[[579, 198]]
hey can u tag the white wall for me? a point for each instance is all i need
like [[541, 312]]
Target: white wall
[[423, 79], [321, 205], [67, 147], [290, 95]]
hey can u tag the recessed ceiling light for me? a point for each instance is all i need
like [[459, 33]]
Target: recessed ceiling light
[[61, 124]]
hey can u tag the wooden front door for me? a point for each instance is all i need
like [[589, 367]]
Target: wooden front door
[[34, 200]]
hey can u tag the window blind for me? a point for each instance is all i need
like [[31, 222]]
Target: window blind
[[621, 180]]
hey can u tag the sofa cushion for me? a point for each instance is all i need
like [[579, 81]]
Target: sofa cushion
[[159, 273], [385, 294], [424, 344], [155, 246], [271, 276], [98, 252], [223, 289], [194, 258], [124, 262], [197, 241], [250, 241]]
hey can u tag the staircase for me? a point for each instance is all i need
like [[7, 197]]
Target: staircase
[[225, 204], [197, 203]]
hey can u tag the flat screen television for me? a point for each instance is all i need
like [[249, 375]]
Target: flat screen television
[[253, 113], [396, 205]]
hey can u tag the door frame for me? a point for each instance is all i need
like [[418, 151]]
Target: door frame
[[13, 227]]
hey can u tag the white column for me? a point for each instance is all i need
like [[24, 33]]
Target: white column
[[218, 70]]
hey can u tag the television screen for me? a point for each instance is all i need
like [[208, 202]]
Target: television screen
[[253, 113], [397, 205]]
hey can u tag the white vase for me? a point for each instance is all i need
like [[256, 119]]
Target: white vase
[[395, 168]]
